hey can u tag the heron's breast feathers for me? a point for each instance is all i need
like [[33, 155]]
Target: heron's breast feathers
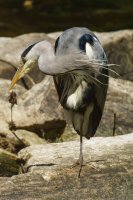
[[74, 93], [82, 101], [77, 99]]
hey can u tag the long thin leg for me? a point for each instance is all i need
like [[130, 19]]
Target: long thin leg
[[80, 155]]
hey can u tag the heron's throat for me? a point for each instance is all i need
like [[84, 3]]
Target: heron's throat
[[47, 64]]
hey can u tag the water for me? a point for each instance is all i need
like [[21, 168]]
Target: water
[[18, 17]]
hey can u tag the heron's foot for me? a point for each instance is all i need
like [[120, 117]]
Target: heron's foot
[[79, 163]]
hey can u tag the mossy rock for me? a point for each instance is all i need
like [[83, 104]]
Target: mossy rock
[[8, 164]]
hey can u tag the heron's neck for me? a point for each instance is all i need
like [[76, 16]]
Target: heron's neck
[[46, 62], [52, 64]]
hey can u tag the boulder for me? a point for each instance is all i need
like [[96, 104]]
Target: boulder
[[14, 141], [11, 48], [107, 172], [28, 137], [118, 46], [119, 102], [54, 35], [37, 109], [8, 164]]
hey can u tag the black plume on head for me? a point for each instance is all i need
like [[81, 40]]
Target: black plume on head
[[84, 39], [26, 51], [56, 44]]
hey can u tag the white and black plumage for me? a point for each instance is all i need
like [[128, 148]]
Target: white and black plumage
[[82, 97], [78, 65]]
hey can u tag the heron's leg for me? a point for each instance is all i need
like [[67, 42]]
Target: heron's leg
[[79, 162], [80, 154]]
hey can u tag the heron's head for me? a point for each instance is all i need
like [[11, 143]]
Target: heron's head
[[29, 59]]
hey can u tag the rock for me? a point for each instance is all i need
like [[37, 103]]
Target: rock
[[22, 138], [69, 134], [42, 112], [118, 46], [10, 143], [37, 111], [107, 173], [4, 93], [120, 102], [29, 138], [95, 149], [17, 44], [16, 140], [8, 164], [54, 35], [5, 106]]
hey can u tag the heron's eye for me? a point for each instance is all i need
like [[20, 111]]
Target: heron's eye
[[84, 39]]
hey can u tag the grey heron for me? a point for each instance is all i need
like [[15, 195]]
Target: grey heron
[[79, 67]]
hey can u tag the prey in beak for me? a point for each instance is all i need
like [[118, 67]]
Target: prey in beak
[[23, 69]]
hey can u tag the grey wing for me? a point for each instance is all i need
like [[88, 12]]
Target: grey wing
[[87, 116], [92, 117], [87, 120]]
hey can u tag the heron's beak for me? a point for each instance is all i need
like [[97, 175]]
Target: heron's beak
[[22, 70]]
